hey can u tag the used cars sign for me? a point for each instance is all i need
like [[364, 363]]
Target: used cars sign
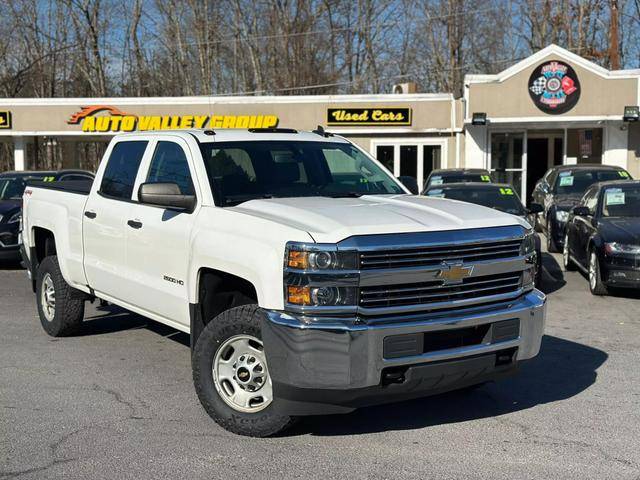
[[369, 116]]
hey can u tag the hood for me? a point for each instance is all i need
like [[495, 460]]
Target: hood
[[9, 206], [620, 229], [330, 220], [567, 202]]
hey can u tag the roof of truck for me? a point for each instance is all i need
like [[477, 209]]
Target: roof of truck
[[238, 134]]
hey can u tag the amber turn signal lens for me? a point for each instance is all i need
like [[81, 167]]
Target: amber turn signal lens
[[298, 259], [299, 295]]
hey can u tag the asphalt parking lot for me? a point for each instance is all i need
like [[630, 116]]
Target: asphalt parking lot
[[117, 402]]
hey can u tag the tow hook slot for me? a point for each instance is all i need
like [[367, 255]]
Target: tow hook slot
[[505, 357], [393, 376]]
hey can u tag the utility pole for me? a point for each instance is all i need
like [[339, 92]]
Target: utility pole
[[614, 49]]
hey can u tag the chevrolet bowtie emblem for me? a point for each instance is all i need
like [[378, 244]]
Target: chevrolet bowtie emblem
[[454, 273]]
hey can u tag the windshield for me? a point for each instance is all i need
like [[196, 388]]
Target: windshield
[[503, 199], [11, 188], [621, 202], [572, 182], [241, 171], [458, 178]]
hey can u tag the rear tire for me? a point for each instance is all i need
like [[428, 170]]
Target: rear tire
[[231, 376], [567, 263], [596, 285], [60, 307]]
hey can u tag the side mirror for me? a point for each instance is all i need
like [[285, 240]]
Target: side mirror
[[581, 211], [166, 195], [536, 208], [411, 184]]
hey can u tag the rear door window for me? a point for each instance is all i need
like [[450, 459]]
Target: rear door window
[[122, 168]]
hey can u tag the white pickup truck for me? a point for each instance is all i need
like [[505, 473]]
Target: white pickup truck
[[309, 278]]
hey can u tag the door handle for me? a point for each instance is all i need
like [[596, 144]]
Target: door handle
[[135, 224], [90, 214]]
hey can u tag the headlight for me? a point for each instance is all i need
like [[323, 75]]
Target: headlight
[[528, 245], [320, 277], [562, 216], [528, 277], [15, 218], [321, 296], [614, 247], [301, 256]]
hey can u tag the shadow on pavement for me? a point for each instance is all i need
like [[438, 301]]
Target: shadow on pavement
[[10, 265], [561, 370], [115, 319], [552, 275]]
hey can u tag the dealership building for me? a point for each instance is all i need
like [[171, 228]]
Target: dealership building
[[551, 108]]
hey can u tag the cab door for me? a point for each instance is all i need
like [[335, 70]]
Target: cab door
[[105, 216], [158, 240]]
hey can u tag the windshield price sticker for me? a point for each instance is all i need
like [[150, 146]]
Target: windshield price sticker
[[436, 181], [623, 174], [566, 181], [614, 196], [485, 178], [565, 174], [506, 191], [435, 193]]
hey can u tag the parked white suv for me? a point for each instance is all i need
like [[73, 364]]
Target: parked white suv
[[310, 280]]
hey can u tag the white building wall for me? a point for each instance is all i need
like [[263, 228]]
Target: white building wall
[[616, 139], [475, 146]]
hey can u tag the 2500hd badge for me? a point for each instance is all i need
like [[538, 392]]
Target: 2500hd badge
[[305, 291]]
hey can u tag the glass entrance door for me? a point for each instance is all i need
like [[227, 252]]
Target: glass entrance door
[[416, 160], [508, 160]]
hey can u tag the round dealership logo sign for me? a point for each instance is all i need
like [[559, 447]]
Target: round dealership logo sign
[[554, 87]]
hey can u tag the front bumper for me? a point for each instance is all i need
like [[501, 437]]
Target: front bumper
[[622, 271], [335, 366], [9, 243]]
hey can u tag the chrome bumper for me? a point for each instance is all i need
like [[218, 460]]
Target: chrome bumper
[[319, 356]]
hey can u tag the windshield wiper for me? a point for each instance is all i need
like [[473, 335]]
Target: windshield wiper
[[345, 195], [238, 199]]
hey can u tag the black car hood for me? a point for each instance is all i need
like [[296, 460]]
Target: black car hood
[[620, 229], [566, 202], [9, 206]]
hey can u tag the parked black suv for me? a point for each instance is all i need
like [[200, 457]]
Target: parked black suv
[[603, 236], [499, 196], [456, 175], [561, 189], [12, 185]]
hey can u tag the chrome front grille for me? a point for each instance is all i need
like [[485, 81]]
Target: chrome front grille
[[435, 255], [436, 291]]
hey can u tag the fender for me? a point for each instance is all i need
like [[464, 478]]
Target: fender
[[243, 245]]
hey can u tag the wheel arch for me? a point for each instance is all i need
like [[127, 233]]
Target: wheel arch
[[217, 291]]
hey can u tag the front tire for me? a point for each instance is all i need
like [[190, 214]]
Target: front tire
[[596, 285], [231, 376], [567, 263], [60, 307]]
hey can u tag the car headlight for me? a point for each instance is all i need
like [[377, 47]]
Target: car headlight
[[562, 216], [15, 218], [528, 245], [312, 257], [615, 247], [320, 276]]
